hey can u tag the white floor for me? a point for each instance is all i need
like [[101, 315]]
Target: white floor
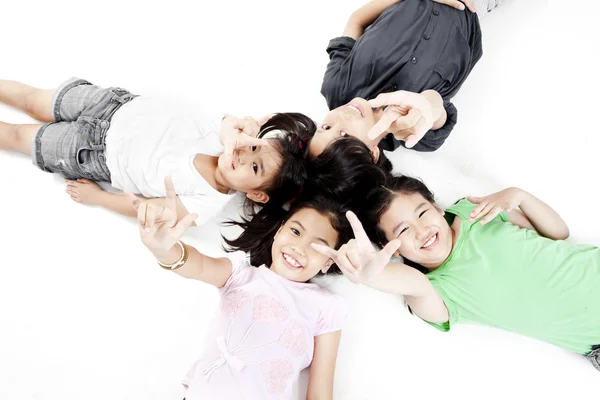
[[86, 314]]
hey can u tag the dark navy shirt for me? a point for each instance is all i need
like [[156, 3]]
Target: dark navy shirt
[[414, 45]]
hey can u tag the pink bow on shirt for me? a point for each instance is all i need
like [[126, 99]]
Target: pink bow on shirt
[[226, 357], [229, 358]]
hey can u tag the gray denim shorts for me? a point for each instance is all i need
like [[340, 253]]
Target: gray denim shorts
[[594, 357], [74, 146]]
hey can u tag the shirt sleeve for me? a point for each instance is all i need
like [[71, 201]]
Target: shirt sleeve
[[336, 75], [450, 306], [432, 140], [333, 316], [240, 273]]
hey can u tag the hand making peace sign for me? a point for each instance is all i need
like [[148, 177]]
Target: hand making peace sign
[[358, 259], [159, 228]]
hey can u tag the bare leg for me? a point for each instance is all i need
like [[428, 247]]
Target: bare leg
[[36, 103], [17, 138]]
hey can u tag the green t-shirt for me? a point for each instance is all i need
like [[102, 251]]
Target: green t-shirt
[[512, 278]]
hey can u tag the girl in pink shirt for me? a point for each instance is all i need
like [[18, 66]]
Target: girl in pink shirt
[[272, 321]]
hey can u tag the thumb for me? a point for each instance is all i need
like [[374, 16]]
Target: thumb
[[183, 225], [133, 199], [392, 247], [474, 200]]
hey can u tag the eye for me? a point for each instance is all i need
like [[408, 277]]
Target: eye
[[420, 215], [295, 231], [253, 148], [402, 231], [343, 134], [255, 167], [325, 127]]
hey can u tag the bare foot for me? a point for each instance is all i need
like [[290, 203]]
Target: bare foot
[[84, 191]]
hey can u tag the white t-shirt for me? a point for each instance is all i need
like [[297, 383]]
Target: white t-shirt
[[148, 140]]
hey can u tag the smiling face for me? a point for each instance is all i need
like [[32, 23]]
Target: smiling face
[[292, 253], [353, 119], [250, 169], [426, 237]]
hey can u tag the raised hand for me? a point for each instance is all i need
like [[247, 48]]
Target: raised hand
[[489, 207], [358, 259], [159, 228], [241, 132], [409, 116]]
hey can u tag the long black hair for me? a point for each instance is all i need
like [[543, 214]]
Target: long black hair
[[378, 203], [292, 132], [347, 171], [259, 232]]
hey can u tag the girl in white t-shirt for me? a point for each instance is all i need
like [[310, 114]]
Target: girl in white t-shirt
[[93, 134]]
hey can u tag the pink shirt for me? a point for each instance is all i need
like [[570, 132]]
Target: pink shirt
[[263, 335]]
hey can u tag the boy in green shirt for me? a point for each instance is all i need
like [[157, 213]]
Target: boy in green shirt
[[500, 260]]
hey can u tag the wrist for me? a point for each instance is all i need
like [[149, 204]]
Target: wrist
[[170, 256], [521, 195], [437, 108]]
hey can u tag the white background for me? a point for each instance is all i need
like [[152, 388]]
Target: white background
[[85, 313]]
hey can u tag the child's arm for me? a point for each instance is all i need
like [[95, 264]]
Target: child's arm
[[90, 193], [160, 232], [418, 292], [361, 263], [322, 369], [365, 16], [524, 210]]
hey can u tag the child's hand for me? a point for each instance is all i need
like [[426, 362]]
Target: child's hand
[[84, 191], [460, 5], [490, 206], [358, 259], [408, 115], [158, 224], [241, 132]]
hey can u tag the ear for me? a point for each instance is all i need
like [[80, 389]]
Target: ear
[[258, 196], [327, 265], [375, 152]]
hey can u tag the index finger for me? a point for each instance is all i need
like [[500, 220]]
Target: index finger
[[325, 250], [382, 127], [252, 141], [386, 99], [170, 194], [357, 228]]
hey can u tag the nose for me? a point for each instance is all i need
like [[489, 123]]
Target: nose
[[300, 246], [422, 231], [241, 156]]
